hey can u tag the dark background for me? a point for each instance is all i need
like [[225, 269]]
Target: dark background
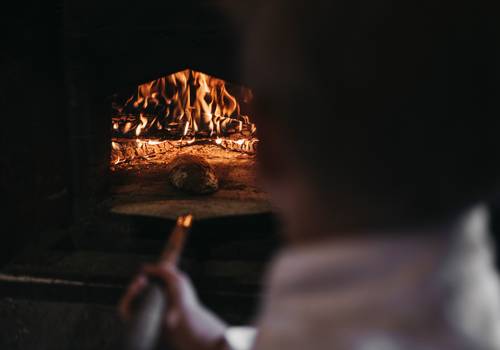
[[35, 186]]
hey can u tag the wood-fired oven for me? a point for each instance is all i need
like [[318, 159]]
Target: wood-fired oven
[[140, 84]]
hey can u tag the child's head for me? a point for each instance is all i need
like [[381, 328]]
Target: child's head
[[386, 111]]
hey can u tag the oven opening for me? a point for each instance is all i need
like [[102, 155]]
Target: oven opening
[[184, 142]]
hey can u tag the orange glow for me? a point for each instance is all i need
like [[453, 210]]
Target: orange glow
[[185, 220]]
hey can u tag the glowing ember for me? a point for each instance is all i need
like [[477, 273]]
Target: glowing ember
[[185, 108]]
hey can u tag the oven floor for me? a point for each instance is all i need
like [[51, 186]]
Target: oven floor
[[144, 189]]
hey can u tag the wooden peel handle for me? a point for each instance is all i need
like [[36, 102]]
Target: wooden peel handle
[[175, 244], [145, 327]]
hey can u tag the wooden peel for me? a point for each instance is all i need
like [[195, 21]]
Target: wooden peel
[[145, 326], [175, 244]]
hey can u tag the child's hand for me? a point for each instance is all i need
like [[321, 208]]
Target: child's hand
[[188, 325]]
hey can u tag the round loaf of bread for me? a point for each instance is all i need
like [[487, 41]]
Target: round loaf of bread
[[192, 174]]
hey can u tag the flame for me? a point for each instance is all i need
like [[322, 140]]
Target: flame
[[138, 130], [142, 125], [144, 120], [182, 107], [181, 104]]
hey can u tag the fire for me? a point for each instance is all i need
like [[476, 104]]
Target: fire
[[187, 107], [142, 125], [187, 103]]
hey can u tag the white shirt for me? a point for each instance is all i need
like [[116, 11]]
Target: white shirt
[[415, 292]]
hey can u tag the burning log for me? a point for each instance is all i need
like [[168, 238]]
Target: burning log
[[124, 150], [240, 145], [193, 174]]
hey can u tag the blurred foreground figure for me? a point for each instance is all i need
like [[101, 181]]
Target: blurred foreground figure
[[379, 123]]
